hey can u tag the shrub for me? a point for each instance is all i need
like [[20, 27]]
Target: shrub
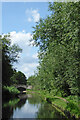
[[11, 89]]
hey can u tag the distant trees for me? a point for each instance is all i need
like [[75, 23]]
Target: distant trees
[[58, 37], [31, 80], [18, 78]]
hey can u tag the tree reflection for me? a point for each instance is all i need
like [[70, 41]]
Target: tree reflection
[[35, 99], [44, 109], [47, 111], [7, 112], [21, 103], [7, 108]]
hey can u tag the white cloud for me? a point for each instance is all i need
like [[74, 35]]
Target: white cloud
[[32, 65], [35, 56], [21, 37], [25, 69], [29, 19], [32, 15], [28, 68], [36, 15], [28, 61]]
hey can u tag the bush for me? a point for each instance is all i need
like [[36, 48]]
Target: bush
[[73, 108], [11, 89]]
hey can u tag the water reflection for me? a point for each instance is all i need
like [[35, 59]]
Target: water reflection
[[29, 106], [47, 111], [27, 111]]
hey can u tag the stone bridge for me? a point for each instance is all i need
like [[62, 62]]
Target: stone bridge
[[21, 87]]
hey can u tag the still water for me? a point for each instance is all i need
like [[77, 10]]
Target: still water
[[29, 106]]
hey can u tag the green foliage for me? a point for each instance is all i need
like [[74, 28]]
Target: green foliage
[[73, 108], [67, 104], [9, 56], [33, 81], [11, 89], [18, 78], [59, 55]]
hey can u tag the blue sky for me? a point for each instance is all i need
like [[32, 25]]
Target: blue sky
[[14, 16], [18, 18]]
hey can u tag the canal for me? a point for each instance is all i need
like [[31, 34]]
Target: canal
[[29, 106]]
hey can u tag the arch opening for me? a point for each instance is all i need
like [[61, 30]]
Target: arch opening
[[21, 89]]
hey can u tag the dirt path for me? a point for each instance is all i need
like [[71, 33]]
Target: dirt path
[[62, 99]]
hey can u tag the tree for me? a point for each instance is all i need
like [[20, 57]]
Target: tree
[[58, 39], [18, 78], [9, 56], [31, 80]]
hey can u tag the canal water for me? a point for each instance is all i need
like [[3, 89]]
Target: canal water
[[29, 106]]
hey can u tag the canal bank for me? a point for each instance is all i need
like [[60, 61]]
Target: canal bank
[[30, 106], [69, 106], [65, 106]]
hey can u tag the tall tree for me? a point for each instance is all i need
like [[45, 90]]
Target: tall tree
[[9, 56], [59, 41]]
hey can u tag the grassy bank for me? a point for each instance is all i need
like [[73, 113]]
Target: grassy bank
[[69, 105]]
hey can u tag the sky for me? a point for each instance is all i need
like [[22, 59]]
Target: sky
[[18, 18]]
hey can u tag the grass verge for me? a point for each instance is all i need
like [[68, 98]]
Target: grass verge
[[67, 104]]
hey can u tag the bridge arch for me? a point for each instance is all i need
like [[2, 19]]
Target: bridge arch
[[21, 87]]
